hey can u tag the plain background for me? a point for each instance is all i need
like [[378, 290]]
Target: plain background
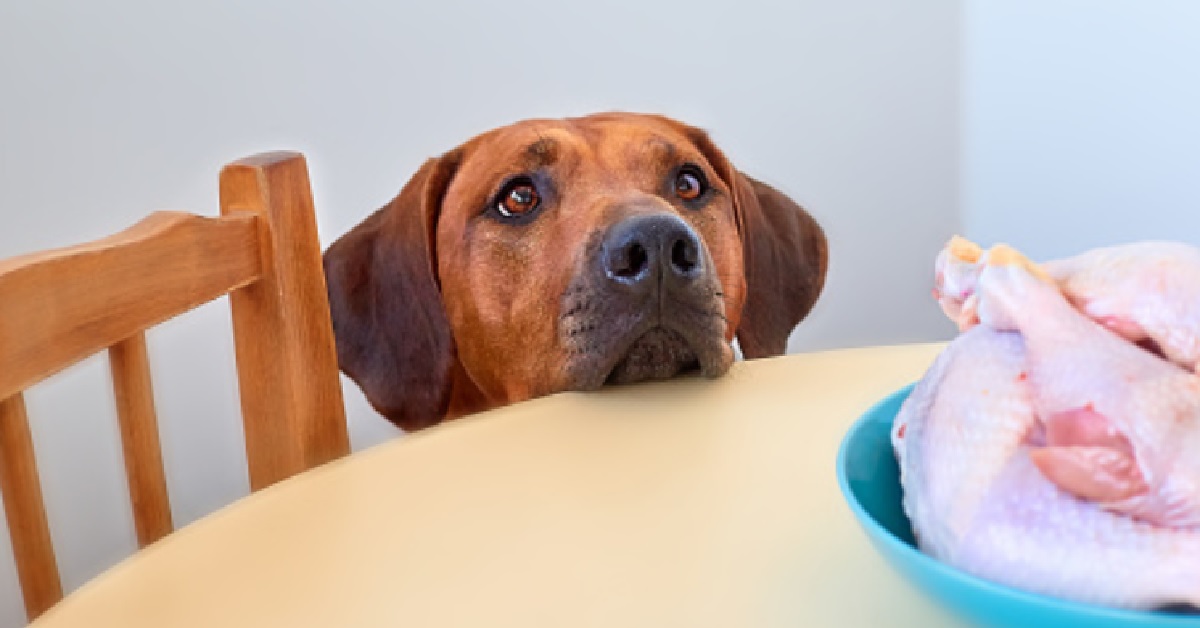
[[1081, 122], [1055, 125]]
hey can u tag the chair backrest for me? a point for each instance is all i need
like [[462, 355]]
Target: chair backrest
[[58, 307]]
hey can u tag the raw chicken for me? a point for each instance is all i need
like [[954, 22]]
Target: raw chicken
[[1045, 451], [1146, 291], [1122, 425], [957, 272]]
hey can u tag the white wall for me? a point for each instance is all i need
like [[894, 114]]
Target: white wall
[[110, 110], [1082, 122]]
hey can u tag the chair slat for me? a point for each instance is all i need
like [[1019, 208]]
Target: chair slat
[[61, 306], [58, 307], [33, 552], [139, 439], [287, 364]]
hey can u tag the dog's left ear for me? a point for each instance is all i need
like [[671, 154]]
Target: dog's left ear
[[785, 256]]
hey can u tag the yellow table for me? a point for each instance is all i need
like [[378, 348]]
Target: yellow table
[[687, 503]]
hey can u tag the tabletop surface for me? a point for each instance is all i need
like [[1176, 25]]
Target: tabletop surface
[[686, 503]]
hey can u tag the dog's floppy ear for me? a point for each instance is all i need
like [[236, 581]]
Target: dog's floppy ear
[[391, 330], [785, 257]]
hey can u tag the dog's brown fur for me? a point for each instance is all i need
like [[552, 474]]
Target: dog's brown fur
[[441, 306]]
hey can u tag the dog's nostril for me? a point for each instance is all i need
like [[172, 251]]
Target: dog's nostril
[[684, 256], [631, 262]]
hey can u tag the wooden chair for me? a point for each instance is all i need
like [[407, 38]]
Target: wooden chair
[[58, 307]]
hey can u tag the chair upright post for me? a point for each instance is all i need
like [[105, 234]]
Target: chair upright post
[[287, 362]]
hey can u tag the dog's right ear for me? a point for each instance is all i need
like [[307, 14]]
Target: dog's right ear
[[390, 326]]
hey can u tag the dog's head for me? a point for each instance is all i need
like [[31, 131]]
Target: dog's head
[[556, 255]]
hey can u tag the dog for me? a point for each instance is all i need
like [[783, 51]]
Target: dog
[[557, 255]]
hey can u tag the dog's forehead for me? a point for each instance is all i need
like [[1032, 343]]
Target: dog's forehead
[[602, 139]]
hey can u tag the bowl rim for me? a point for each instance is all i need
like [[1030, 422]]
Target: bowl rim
[[929, 563]]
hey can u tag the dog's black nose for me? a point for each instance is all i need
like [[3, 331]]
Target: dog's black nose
[[641, 249]]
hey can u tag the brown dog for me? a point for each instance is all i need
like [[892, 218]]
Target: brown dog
[[556, 255]]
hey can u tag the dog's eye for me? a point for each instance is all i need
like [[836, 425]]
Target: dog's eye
[[518, 198], [689, 183]]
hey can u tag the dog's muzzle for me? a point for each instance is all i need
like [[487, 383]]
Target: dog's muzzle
[[649, 307]]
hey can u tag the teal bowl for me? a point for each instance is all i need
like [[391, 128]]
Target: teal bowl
[[870, 481]]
